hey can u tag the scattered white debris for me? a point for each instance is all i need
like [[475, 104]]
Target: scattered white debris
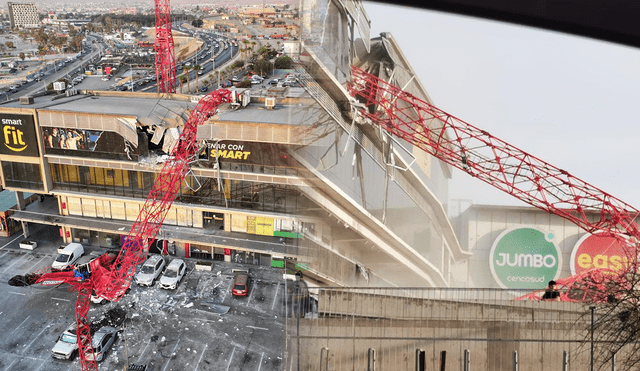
[[186, 328], [189, 305], [135, 315], [194, 352], [163, 339]]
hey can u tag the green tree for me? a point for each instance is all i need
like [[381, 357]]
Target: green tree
[[197, 68], [283, 63], [182, 79], [263, 66], [186, 71], [244, 84]]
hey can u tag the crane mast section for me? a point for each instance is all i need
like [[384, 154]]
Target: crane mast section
[[490, 159], [164, 48]]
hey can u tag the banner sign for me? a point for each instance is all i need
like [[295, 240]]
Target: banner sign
[[598, 251], [525, 258], [18, 135]]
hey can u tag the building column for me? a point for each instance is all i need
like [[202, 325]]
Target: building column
[[20, 204]]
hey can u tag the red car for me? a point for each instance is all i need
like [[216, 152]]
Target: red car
[[240, 285]]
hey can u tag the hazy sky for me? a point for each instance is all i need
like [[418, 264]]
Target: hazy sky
[[571, 101]]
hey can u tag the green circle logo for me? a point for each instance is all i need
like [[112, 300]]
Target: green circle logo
[[525, 258]]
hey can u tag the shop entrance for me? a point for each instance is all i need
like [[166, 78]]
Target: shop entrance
[[212, 220]]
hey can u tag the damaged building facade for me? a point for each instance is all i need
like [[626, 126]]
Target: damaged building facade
[[282, 173]]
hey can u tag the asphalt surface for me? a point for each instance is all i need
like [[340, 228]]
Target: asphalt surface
[[166, 330]]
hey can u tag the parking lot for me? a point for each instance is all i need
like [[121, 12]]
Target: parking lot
[[177, 329]]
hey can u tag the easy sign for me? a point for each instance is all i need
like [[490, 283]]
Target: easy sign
[[525, 258], [598, 251]]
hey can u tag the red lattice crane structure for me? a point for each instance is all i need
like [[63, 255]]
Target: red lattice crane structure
[[110, 277], [493, 160], [164, 48]]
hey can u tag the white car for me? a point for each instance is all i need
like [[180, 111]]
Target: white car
[[67, 345], [173, 274], [150, 270]]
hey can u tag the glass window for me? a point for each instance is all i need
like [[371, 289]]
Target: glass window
[[20, 175]]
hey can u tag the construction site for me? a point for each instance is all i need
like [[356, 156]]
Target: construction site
[[330, 194]]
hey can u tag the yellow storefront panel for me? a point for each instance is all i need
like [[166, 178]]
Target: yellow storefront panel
[[251, 225], [133, 209], [238, 223], [264, 226], [117, 210]]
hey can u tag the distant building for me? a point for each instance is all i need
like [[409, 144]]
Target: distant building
[[23, 15]]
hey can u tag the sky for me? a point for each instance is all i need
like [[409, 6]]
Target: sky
[[571, 101]]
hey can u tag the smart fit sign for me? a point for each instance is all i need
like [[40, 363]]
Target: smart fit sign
[[18, 135], [598, 251], [525, 258]]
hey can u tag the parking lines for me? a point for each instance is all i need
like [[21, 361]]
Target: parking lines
[[230, 358], [258, 328], [31, 269], [60, 299], [9, 367], [5, 253], [251, 293], [17, 293], [34, 339], [144, 350], [25, 320], [227, 290], [201, 354], [9, 243], [173, 351], [275, 296], [23, 256], [42, 364], [260, 364]]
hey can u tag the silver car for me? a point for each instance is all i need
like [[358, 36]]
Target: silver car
[[173, 274], [67, 345], [102, 341], [150, 270]]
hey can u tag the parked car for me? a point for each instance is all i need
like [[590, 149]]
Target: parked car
[[240, 284], [274, 81], [173, 274], [150, 270], [204, 89], [102, 341], [67, 345], [68, 255]]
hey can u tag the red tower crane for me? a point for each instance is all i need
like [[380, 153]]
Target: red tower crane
[[110, 276], [164, 48], [495, 161]]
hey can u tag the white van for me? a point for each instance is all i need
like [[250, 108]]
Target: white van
[[68, 255]]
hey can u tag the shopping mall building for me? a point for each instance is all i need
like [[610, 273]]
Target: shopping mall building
[[280, 172]]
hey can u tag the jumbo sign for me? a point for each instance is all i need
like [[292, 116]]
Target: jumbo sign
[[598, 251], [525, 258], [228, 150], [18, 135]]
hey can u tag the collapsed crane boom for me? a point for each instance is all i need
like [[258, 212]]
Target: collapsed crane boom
[[109, 277], [492, 160]]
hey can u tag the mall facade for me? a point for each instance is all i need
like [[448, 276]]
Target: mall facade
[[281, 173]]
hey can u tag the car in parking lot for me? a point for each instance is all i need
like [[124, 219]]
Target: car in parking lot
[[204, 89], [150, 270], [240, 284], [173, 274], [67, 345], [102, 340]]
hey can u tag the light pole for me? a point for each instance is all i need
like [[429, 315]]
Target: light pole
[[131, 71]]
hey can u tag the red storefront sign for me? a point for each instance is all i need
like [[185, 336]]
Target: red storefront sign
[[597, 251]]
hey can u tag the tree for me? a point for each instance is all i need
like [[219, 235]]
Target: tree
[[197, 68], [244, 84], [186, 71], [197, 23], [9, 44], [22, 56], [182, 80], [283, 63], [263, 66]]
